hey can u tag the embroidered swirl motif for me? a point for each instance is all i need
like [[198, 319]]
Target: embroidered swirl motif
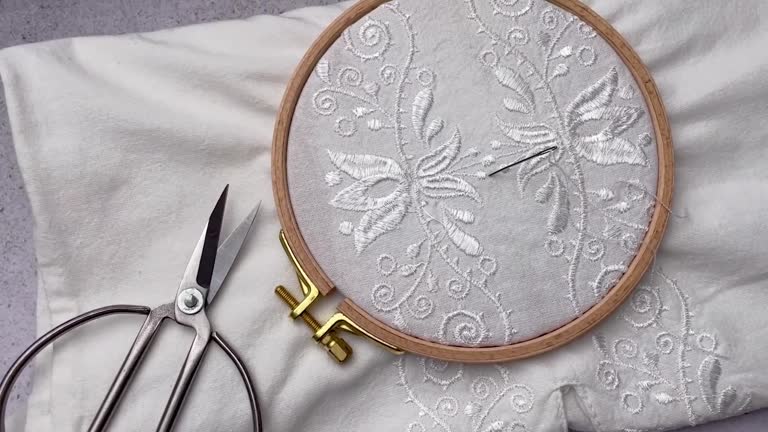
[[494, 402], [681, 368]]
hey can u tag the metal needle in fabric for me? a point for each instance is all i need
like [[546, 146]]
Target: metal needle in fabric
[[534, 156]]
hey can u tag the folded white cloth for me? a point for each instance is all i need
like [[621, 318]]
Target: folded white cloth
[[125, 142]]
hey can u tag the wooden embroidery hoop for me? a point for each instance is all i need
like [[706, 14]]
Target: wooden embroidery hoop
[[615, 297]]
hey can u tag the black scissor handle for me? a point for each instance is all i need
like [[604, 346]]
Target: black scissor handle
[[249, 387], [30, 353]]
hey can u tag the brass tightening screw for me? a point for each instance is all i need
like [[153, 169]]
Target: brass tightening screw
[[336, 346], [291, 301]]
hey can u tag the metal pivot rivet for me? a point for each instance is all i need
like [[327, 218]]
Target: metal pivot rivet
[[190, 301]]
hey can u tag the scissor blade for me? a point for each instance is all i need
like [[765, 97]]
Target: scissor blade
[[228, 252], [211, 242]]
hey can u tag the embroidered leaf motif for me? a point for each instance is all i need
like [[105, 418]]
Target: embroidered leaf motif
[[374, 124], [597, 96], [532, 134], [727, 399], [399, 322], [515, 105], [603, 194], [615, 120], [651, 359], [601, 344], [544, 194], [448, 186], [664, 398], [408, 269], [646, 385], [323, 71], [434, 128], [379, 221], [612, 231], [361, 111], [421, 106], [619, 208], [592, 106], [464, 241], [627, 92], [360, 166], [414, 250], [432, 283], [710, 371], [523, 100], [356, 196], [544, 39], [561, 70], [612, 152], [440, 159], [531, 169], [372, 89], [558, 219], [497, 426], [620, 118], [465, 216]]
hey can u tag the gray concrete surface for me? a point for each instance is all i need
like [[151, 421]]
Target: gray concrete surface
[[26, 21]]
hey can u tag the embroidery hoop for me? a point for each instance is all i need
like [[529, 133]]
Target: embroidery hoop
[[549, 341]]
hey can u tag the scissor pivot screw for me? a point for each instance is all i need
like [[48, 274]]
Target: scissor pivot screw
[[190, 301]]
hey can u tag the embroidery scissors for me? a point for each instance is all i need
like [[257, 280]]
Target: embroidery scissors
[[205, 273]]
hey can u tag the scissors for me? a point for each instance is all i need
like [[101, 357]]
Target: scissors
[[206, 271]]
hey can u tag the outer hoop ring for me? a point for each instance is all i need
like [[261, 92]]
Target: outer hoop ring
[[615, 297]]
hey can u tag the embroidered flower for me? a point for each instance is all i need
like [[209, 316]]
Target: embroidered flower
[[433, 177], [381, 213], [597, 125], [436, 181]]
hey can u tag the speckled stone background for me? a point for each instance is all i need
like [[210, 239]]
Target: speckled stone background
[[25, 21]]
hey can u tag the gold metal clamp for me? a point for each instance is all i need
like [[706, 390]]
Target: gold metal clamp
[[328, 333]]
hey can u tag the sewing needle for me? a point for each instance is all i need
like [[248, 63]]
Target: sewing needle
[[539, 154]]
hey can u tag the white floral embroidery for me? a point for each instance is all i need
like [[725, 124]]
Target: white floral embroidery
[[494, 402], [437, 190], [411, 208], [407, 177], [380, 214], [664, 371], [589, 129]]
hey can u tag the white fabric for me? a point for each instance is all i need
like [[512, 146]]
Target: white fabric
[[397, 131], [125, 142]]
